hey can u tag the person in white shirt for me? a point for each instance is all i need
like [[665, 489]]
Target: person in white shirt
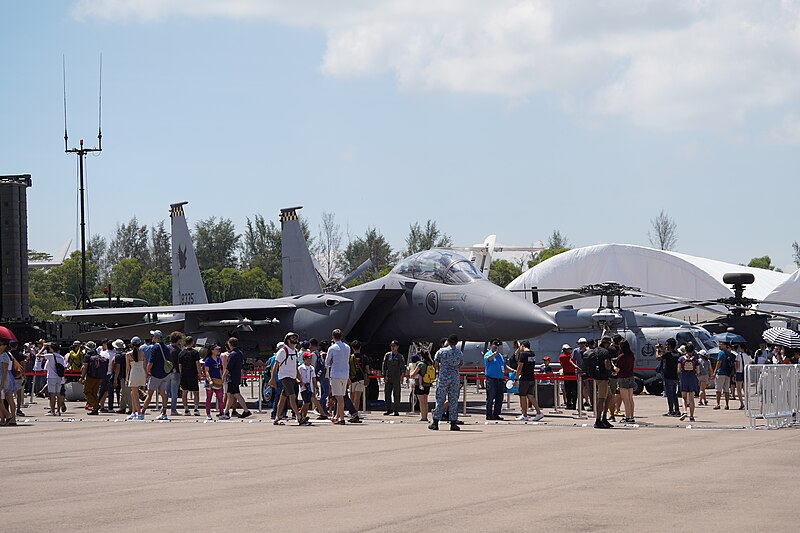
[[54, 381], [109, 353], [338, 364], [763, 356], [285, 368], [308, 383]]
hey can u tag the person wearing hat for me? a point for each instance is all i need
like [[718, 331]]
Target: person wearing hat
[[119, 373], [92, 375], [8, 387], [55, 366], [394, 365], [577, 359], [75, 356], [568, 369], [285, 371], [233, 376], [155, 365], [448, 361], [494, 365], [704, 375]]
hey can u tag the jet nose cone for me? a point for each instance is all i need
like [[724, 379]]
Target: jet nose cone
[[510, 317]]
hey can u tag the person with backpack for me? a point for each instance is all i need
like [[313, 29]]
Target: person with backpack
[[689, 376], [597, 365], [159, 366], [424, 374], [93, 373], [55, 365], [722, 377], [285, 370]]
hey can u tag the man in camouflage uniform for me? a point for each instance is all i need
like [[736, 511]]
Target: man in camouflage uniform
[[448, 361]]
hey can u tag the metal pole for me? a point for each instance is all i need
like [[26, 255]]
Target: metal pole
[[580, 395], [84, 292], [555, 397], [464, 399], [261, 390]]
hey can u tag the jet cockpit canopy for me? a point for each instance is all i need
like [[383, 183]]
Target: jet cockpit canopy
[[440, 266]]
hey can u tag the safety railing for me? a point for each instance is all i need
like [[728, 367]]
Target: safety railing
[[772, 395]]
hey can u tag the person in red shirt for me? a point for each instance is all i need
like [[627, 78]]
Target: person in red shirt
[[624, 364], [568, 368]]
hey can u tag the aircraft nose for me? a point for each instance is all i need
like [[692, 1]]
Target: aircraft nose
[[511, 317]]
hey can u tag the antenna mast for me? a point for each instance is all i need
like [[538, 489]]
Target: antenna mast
[[81, 151]]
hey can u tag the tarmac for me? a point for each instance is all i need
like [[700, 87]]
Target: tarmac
[[81, 473]]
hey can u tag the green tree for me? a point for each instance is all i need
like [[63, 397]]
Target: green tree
[[44, 299], [372, 245], [126, 278], [33, 255], [156, 288], [160, 249], [763, 262], [261, 246], [503, 272], [420, 238], [129, 240], [216, 243]]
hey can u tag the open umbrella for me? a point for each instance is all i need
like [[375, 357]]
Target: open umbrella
[[6, 333], [729, 337], [782, 337]]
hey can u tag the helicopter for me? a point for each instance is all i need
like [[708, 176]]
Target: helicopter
[[643, 331], [738, 314]]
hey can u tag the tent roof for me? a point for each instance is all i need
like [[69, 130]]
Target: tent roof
[[651, 270], [788, 291]]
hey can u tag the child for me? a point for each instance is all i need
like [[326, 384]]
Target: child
[[308, 383]]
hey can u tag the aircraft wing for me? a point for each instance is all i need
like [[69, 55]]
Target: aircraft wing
[[132, 315]]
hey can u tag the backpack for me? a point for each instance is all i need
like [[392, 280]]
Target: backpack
[[688, 364], [430, 374], [591, 364], [353, 369], [16, 369], [319, 367], [731, 364], [59, 367]]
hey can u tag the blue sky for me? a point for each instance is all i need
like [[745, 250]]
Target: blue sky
[[508, 117]]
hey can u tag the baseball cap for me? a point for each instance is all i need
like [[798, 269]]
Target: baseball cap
[[76, 343], [546, 358], [156, 333], [305, 344], [395, 342], [582, 340], [497, 342], [136, 341], [306, 355], [566, 347], [290, 335]]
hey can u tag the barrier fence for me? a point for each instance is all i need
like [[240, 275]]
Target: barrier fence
[[772, 395]]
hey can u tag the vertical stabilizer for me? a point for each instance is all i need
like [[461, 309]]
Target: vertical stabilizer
[[187, 285], [299, 274]]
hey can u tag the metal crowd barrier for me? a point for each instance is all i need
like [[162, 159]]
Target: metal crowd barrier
[[772, 395]]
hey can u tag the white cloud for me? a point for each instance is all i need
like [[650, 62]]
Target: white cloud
[[664, 65]]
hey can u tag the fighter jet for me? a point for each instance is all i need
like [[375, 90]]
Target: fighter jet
[[427, 296]]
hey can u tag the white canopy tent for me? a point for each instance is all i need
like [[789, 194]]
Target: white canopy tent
[[788, 291], [651, 270]]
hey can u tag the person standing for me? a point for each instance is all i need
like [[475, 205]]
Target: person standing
[[21, 356], [338, 364], [394, 365], [55, 364], [704, 375], [119, 375], [359, 366], [305, 373], [174, 375], [233, 377], [423, 378], [722, 379], [156, 367], [8, 387], [494, 365], [690, 384], [448, 361], [742, 360], [75, 357], [93, 373], [189, 369], [669, 356], [763, 357], [286, 371], [526, 378], [323, 379], [212, 369], [137, 377], [568, 370], [602, 358], [577, 358], [625, 362]]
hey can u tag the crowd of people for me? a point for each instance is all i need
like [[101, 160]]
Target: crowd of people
[[330, 377]]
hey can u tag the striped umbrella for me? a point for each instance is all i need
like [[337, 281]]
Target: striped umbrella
[[782, 337]]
